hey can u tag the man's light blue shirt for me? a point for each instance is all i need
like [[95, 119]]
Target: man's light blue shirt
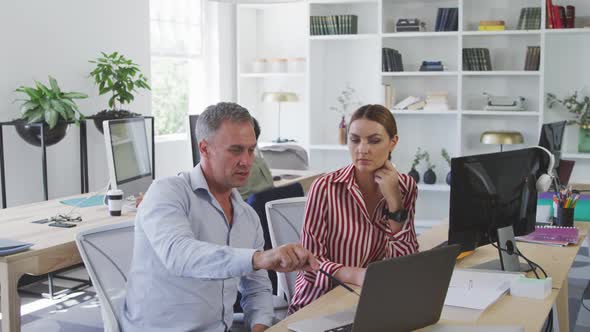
[[188, 263]]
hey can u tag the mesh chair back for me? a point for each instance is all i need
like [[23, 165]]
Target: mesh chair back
[[107, 252], [285, 156], [285, 221]]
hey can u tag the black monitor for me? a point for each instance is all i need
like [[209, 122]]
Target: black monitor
[[551, 138], [493, 196]]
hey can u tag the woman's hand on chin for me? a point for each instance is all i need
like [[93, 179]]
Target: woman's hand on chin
[[388, 181]]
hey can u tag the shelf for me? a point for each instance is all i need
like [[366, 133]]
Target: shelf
[[329, 147], [501, 73], [575, 156], [567, 31], [502, 113], [422, 112], [361, 36], [434, 187], [265, 75], [502, 33], [418, 73], [425, 34]]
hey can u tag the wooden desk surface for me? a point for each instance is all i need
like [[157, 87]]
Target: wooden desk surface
[[509, 310], [15, 223], [305, 177]]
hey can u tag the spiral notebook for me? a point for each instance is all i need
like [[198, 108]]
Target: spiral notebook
[[552, 235]]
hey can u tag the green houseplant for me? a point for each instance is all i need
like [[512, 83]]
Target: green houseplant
[[429, 175], [580, 108], [413, 172], [49, 107], [121, 77], [447, 158]]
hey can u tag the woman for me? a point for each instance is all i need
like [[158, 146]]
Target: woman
[[360, 213]]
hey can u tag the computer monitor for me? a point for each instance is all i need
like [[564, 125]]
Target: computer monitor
[[493, 198], [551, 138], [128, 155]]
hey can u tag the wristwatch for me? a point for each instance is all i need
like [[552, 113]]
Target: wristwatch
[[398, 216]]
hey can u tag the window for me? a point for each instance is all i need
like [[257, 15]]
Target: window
[[177, 63]]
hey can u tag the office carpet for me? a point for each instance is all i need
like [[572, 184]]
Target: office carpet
[[80, 311]]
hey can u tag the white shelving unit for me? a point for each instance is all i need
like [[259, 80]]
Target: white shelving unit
[[334, 61]]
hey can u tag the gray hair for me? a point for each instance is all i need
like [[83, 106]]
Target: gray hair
[[214, 115]]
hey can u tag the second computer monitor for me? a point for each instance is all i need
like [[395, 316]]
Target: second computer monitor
[[551, 138], [128, 155], [491, 191]]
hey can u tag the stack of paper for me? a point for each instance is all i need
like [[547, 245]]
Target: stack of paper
[[437, 101], [9, 247], [478, 289]]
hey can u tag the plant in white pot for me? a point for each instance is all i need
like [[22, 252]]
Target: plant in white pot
[[49, 107], [121, 77]]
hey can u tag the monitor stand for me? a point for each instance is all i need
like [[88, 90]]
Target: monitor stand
[[511, 262]]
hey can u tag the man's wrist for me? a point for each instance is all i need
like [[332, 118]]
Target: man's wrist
[[256, 259]]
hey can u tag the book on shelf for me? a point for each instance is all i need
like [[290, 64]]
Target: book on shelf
[[529, 19], [431, 66], [570, 17], [416, 106], [389, 95], [437, 101], [559, 17], [497, 25], [533, 58], [476, 59], [447, 19], [391, 60], [552, 235], [406, 102], [333, 25]]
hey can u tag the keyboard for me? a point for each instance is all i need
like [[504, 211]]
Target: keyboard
[[343, 328]]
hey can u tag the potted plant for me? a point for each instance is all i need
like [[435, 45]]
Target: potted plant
[[49, 107], [347, 103], [447, 158], [116, 74], [429, 175], [413, 172], [580, 107]]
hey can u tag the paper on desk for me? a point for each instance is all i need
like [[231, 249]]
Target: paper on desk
[[477, 289]]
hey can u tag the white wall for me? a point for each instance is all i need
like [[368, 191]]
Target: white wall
[[58, 37]]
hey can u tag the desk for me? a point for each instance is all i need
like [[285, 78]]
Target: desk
[[508, 310], [304, 177], [54, 248]]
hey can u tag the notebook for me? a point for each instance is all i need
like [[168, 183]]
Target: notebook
[[552, 235], [9, 247]]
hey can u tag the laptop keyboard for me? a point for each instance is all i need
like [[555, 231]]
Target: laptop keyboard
[[343, 328]]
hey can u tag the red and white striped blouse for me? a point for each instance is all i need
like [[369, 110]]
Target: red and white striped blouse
[[339, 231]]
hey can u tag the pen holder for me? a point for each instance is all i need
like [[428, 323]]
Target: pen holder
[[565, 217]]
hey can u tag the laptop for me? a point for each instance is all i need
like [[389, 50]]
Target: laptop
[[399, 294]]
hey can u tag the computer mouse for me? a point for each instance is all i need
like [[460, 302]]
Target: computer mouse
[[276, 178]]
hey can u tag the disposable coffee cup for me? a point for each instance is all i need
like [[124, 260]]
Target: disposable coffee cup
[[115, 201]]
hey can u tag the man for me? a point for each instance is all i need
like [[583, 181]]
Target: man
[[260, 177], [197, 242]]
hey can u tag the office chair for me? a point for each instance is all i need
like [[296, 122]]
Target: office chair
[[258, 201], [106, 252], [285, 221], [285, 156], [192, 122]]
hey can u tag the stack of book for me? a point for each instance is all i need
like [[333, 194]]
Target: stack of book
[[447, 19], [431, 66], [408, 25], [533, 57], [491, 26], [530, 19], [333, 25], [437, 101], [391, 60], [476, 59], [560, 17], [410, 103]]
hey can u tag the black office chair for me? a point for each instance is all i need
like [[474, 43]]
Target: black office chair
[[192, 123]]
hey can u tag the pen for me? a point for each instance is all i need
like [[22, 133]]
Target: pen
[[338, 281]]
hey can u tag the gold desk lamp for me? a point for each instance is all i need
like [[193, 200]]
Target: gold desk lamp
[[501, 137], [280, 97]]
